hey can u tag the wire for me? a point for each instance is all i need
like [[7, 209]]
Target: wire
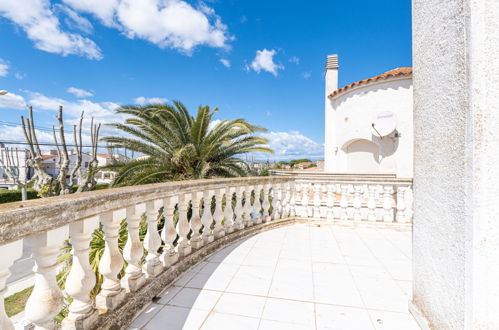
[[43, 144]]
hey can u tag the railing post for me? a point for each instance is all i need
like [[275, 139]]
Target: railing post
[[344, 202], [276, 207], [152, 240], [357, 203], [257, 206], [266, 203], [228, 212], [169, 233], [330, 202], [207, 218], [317, 201], [247, 207], [387, 204], [81, 278], [183, 228], [133, 251], [218, 215], [46, 300], [371, 203], [238, 210], [284, 200], [10, 252], [110, 265], [400, 215], [304, 200], [292, 200], [196, 224], [408, 207]]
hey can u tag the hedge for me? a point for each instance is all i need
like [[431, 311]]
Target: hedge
[[9, 196]]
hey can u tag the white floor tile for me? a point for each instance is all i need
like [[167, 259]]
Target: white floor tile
[[339, 317], [277, 325], [393, 321], [196, 298], [219, 321], [145, 316], [176, 318], [240, 304], [295, 312]]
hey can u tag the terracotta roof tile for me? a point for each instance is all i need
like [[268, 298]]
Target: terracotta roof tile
[[405, 71]]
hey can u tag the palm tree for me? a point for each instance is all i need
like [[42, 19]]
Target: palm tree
[[178, 146]]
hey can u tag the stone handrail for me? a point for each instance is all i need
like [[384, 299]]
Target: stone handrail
[[45, 225]]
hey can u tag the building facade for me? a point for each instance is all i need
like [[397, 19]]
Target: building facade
[[369, 123]]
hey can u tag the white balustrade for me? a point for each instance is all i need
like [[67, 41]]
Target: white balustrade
[[218, 215], [273, 199], [10, 252], [207, 217], [110, 265], [46, 300], [169, 233], [196, 224], [81, 279], [183, 227], [228, 212]]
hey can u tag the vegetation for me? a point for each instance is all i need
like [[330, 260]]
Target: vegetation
[[15, 303], [9, 196], [178, 146]]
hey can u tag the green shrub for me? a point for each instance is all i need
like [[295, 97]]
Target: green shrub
[[9, 196]]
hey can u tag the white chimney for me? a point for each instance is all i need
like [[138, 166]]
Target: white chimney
[[331, 74]]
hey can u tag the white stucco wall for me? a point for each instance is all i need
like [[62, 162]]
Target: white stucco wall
[[456, 190], [351, 119]]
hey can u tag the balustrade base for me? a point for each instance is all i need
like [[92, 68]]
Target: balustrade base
[[184, 250], [80, 323], [169, 258], [207, 239], [154, 269], [105, 303], [229, 230], [133, 283], [219, 233], [197, 243], [238, 226]]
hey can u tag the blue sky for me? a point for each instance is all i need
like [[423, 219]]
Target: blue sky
[[261, 60]]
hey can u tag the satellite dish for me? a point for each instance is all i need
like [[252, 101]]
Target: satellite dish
[[384, 123]]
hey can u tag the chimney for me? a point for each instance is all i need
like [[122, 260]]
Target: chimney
[[331, 74]]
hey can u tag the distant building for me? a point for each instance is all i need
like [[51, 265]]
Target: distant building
[[352, 144], [24, 171]]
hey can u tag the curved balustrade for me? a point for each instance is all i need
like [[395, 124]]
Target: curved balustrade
[[180, 219]]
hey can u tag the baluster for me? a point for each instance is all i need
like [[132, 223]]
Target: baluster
[[81, 278], [257, 206], [304, 200], [400, 215], [207, 217], [110, 265], [275, 201], [292, 200], [344, 202], [247, 207], [46, 300], [317, 200], [408, 207], [387, 204], [239, 222], [169, 233], [357, 203], [228, 212], [330, 202], [10, 252], [196, 224], [152, 240], [284, 200], [183, 228], [266, 203], [133, 251], [218, 215], [371, 203]]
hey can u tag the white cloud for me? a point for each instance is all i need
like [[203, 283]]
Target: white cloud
[[75, 21], [12, 101], [4, 68], [294, 60], [289, 145], [306, 75], [264, 60], [42, 26], [80, 93], [167, 24], [20, 76], [225, 62], [141, 100]]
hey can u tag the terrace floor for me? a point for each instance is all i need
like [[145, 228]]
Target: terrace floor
[[302, 276]]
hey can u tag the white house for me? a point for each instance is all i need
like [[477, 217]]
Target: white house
[[17, 159], [369, 126]]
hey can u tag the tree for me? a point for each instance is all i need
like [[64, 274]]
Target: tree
[[12, 168], [43, 183], [177, 146]]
